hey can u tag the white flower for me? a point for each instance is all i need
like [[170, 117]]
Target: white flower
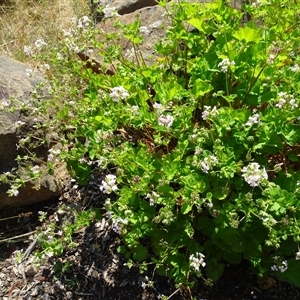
[[208, 162], [165, 121], [209, 112], [28, 50], [118, 93], [84, 22], [253, 120], [28, 72], [196, 261], [144, 285], [52, 156], [39, 44], [225, 64], [110, 12], [295, 68], [59, 56], [158, 107], [135, 109], [152, 198], [256, 4], [13, 192], [44, 68], [280, 103], [117, 225], [35, 170], [144, 29], [285, 98], [19, 124], [253, 175], [271, 58], [155, 24], [129, 53], [279, 265], [108, 185], [293, 103]]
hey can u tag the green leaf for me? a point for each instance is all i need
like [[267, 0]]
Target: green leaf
[[140, 253], [198, 24], [275, 207], [186, 207], [293, 157], [188, 229], [201, 88], [214, 269], [206, 225], [247, 34]]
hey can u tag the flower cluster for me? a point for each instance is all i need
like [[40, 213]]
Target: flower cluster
[[285, 98], [225, 64], [279, 265], [39, 45], [158, 107], [253, 175], [295, 68], [129, 53], [13, 191], [118, 93], [209, 112], [117, 225], [35, 170], [145, 30], [257, 4], [53, 154], [84, 22], [208, 162], [196, 261], [110, 12], [165, 121], [152, 198], [28, 72], [147, 283], [108, 185], [135, 109], [253, 120]]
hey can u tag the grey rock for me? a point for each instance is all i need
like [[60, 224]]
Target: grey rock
[[122, 6], [13, 84], [30, 270], [16, 89]]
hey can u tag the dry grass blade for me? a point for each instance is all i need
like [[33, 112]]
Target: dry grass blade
[[22, 22]]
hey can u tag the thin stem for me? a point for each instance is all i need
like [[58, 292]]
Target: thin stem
[[17, 237]]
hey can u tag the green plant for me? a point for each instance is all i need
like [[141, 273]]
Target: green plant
[[201, 147]]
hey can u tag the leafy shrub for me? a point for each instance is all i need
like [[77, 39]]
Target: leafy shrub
[[201, 148]]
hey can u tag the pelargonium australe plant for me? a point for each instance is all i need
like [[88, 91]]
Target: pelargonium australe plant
[[201, 148]]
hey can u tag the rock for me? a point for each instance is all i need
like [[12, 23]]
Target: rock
[[122, 7], [30, 270], [129, 6], [13, 84], [16, 89], [151, 16]]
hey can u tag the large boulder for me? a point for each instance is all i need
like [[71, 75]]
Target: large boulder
[[16, 89]]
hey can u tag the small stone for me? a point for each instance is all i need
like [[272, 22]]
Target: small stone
[[35, 292], [46, 297], [30, 270], [69, 295]]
